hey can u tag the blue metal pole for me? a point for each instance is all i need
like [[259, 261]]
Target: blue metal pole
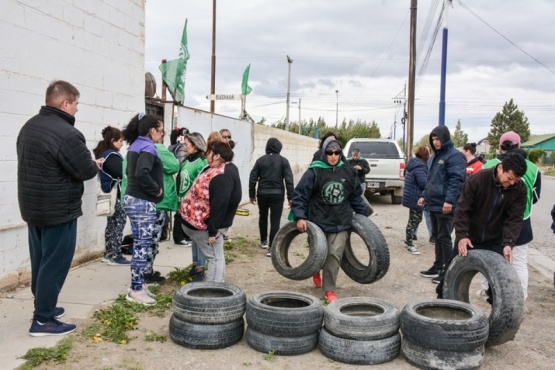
[[443, 78]]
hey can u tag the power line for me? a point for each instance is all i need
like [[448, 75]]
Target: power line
[[500, 34]]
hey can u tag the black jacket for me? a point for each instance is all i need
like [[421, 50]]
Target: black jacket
[[487, 213], [225, 196], [145, 171], [365, 168], [270, 171], [53, 163]]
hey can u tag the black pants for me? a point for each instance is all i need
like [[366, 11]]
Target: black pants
[[178, 233], [51, 249], [442, 227], [274, 204]]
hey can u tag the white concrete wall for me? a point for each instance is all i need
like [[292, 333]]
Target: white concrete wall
[[250, 141], [96, 45]]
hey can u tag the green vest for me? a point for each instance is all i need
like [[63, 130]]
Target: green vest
[[529, 179]]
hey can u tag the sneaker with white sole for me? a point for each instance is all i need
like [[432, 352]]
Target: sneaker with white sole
[[140, 297], [59, 312], [106, 259], [52, 327], [412, 249], [119, 261], [264, 244]]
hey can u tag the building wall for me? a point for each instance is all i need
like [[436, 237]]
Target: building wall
[[96, 45], [250, 140]]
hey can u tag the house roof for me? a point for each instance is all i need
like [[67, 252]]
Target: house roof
[[535, 140]]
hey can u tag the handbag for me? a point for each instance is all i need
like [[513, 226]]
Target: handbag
[[106, 201]]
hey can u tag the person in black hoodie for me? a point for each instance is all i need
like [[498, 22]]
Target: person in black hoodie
[[328, 194], [270, 172], [53, 161], [446, 175]]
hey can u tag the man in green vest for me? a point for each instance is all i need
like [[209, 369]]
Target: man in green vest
[[510, 143]]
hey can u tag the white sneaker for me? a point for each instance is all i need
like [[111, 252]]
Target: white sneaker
[[140, 297], [482, 294], [412, 249], [264, 244]]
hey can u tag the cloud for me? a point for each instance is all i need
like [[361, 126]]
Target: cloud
[[361, 48]]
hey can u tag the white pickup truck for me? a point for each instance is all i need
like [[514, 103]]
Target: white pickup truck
[[387, 166]]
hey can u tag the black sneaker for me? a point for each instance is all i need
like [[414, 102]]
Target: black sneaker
[[439, 278], [52, 327], [431, 273], [154, 278], [264, 244], [59, 312]]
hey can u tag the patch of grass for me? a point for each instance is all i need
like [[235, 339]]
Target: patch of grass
[[115, 321], [270, 356], [238, 245], [55, 355], [153, 337], [549, 173], [300, 255], [180, 276]]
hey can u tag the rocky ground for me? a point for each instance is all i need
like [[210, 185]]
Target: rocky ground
[[533, 347]]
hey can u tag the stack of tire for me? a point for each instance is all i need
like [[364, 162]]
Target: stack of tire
[[207, 315], [360, 331], [443, 334], [283, 323], [360, 272]]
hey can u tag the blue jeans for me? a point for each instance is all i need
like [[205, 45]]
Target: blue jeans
[[197, 255], [214, 253], [51, 250], [442, 227], [142, 215]]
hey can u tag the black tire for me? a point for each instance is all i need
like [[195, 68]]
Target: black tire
[[316, 256], [203, 336], [444, 324], [427, 358], [361, 318], [507, 310], [284, 346], [396, 199], [209, 303], [359, 352], [284, 314], [377, 249]]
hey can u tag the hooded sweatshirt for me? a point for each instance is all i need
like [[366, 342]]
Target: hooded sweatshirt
[[270, 172], [328, 194], [446, 173]]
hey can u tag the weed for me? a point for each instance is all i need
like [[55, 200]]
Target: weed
[[270, 356], [115, 321], [300, 255], [153, 337], [55, 355], [247, 364], [238, 245], [181, 276]]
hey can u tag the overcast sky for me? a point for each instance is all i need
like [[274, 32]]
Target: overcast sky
[[361, 49]]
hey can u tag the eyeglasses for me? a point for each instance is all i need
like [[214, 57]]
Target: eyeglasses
[[226, 136], [333, 152]]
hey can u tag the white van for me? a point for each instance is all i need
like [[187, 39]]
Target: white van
[[387, 166]]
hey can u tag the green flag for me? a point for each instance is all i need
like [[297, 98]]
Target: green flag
[[173, 71], [245, 88]]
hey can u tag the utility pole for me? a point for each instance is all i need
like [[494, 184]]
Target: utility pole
[[213, 68], [299, 116], [336, 107], [412, 70], [443, 66], [289, 62]]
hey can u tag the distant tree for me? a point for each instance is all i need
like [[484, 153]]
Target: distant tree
[[262, 121], [536, 155], [425, 140], [509, 119], [459, 137]]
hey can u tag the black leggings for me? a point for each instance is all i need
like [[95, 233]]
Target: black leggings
[[274, 204]]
